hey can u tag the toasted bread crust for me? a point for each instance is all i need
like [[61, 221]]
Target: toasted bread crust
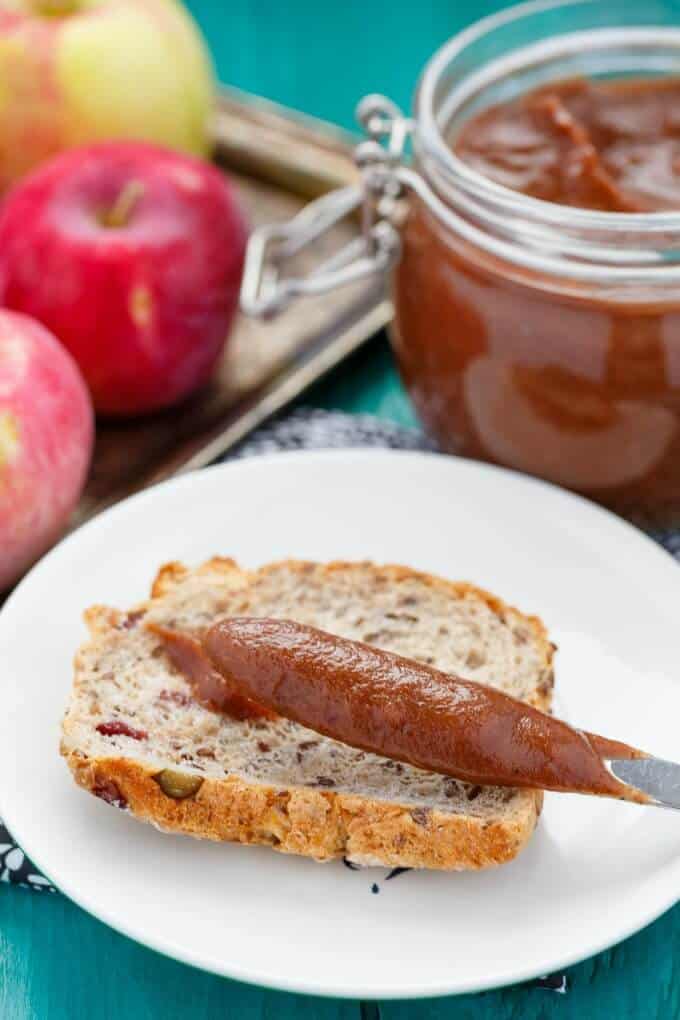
[[323, 825], [171, 573]]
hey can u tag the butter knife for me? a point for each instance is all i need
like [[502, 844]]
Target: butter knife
[[657, 779]]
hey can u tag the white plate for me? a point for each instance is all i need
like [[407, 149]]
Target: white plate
[[594, 872]]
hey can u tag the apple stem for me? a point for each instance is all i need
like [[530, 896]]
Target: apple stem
[[121, 210], [55, 8]]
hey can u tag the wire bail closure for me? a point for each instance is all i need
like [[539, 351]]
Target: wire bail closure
[[267, 289]]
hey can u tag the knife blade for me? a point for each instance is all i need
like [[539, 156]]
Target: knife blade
[[656, 778]]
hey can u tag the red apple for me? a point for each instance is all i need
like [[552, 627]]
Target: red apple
[[46, 433], [131, 255]]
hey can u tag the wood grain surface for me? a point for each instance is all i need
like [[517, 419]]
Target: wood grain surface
[[57, 963]]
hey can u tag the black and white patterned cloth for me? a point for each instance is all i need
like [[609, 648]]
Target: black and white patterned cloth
[[305, 429]]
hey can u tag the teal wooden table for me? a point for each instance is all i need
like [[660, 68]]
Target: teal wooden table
[[56, 962]]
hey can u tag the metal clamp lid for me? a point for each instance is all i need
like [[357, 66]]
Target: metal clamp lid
[[267, 289]]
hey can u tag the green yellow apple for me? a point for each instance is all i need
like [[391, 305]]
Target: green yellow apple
[[76, 71]]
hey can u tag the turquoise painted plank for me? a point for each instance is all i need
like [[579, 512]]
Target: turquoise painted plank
[[58, 963], [75, 968], [368, 384], [638, 980], [321, 58]]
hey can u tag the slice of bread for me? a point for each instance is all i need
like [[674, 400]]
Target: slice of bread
[[186, 769]]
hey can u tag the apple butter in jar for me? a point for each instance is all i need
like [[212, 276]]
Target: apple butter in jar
[[537, 296], [533, 246]]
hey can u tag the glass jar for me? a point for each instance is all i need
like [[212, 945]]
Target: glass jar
[[538, 336]]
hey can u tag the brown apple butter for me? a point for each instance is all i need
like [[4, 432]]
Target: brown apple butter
[[383, 703], [579, 385]]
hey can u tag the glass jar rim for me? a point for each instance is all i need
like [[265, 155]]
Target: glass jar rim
[[452, 177]]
